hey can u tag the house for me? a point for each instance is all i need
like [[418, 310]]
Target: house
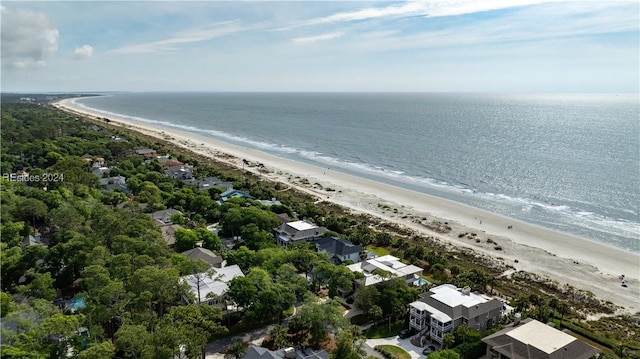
[[531, 339], [33, 240], [211, 287], [340, 250], [270, 202], [444, 308], [209, 182], [206, 255], [298, 231], [382, 269], [115, 183], [99, 170], [233, 193], [163, 217], [284, 218], [171, 165], [256, 352], [148, 153], [168, 233], [181, 172]]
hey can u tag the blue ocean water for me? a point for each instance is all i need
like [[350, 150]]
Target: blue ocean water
[[570, 162]]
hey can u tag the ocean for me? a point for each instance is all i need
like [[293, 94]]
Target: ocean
[[570, 162]]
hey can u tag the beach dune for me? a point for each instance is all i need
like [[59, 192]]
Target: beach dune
[[561, 257]]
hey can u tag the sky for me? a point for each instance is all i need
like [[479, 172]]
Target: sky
[[316, 46]]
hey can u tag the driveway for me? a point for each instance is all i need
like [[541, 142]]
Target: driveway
[[414, 351]]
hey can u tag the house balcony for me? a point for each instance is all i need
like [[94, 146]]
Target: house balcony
[[415, 313], [418, 324], [443, 327]]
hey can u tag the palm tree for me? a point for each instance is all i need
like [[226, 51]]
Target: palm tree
[[563, 309], [236, 350], [279, 337], [448, 340]]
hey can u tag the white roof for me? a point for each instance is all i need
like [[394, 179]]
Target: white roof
[[541, 336], [387, 263], [452, 297], [433, 312], [301, 225], [215, 281]]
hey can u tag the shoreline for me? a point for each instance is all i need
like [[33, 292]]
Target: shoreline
[[565, 258]]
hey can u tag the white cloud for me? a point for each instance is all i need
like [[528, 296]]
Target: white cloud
[[27, 38], [430, 8], [323, 37], [191, 36], [83, 52]]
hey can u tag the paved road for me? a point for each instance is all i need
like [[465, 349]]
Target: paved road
[[414, 351], [254, 336]]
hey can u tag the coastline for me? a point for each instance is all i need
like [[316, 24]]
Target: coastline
[[564, 258]]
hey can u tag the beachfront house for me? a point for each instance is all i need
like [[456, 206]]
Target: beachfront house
[[211, 287], [207, 183], [339, 250], [148, 153], [298, 232], [533, 339], [381, 269], [444, 308], [233, 193]]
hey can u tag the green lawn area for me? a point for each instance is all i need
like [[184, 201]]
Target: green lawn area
[[397, 351], [288, 312], [383, 331], [378, 250]]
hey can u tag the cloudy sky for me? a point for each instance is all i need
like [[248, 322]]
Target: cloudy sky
[[416, 45]]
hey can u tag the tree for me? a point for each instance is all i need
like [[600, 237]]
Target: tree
[[104, 350], [349, 344], [135, 341], [236, 350], [6, 304], [366, 298], [40, 286], [563, 309], [185, 239], [376, 313], [195, 326], [242, 291], [444, 354], [32, 210], [448, 339], [209, 239], [278, 338], [313, 321]]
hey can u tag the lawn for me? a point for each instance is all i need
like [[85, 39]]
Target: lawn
[[378, 250], [397, 351], [383, 330]]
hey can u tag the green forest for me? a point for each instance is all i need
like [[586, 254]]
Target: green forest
[[87, 274]]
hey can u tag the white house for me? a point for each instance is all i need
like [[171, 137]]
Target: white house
[[381, 269], [211, 287]]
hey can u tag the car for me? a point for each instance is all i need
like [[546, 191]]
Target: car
[[428, 350], [405, 333]]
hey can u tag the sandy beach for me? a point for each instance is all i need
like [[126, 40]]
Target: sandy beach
[[564, 258]]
